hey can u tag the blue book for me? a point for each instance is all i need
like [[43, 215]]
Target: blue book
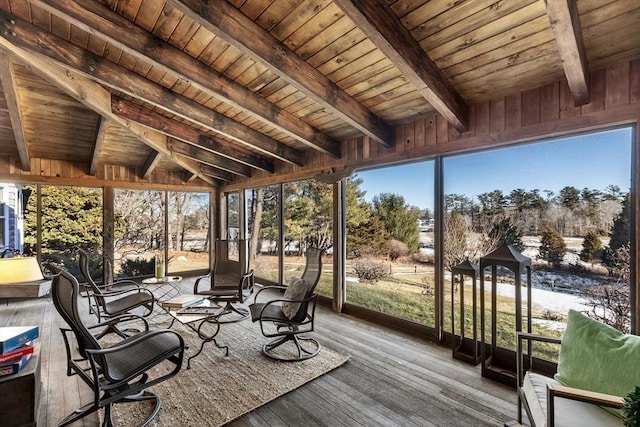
[[12, 337]]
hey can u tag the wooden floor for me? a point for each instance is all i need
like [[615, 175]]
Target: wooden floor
[[391, 379]]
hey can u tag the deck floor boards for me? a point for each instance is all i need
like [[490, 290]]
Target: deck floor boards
[[391, 379]]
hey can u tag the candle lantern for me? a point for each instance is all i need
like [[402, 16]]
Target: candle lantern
[[499, 363], [465, 347]]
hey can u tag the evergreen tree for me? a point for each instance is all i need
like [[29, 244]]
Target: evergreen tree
[[591, 247], [621, 229], [552, 247], [507, 233], [72, 216], [400, 219]]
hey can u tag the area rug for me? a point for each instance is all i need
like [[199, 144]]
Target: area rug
[[218, 388]]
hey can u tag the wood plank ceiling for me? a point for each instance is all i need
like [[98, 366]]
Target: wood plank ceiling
[[222, 89]]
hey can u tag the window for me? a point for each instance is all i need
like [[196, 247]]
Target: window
[[563, 203], [188, 234], [263, 231], [390, 241], [308, 222], [139, 231]]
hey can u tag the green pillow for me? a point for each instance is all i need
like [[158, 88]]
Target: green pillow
[[597, 357]]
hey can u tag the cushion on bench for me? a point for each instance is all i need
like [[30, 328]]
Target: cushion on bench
[[567, 412], [596, 357]]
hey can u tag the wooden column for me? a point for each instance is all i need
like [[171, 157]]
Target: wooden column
[[339, 244], [108, 195]]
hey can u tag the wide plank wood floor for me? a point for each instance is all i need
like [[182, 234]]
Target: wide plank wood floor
[[391, 379]]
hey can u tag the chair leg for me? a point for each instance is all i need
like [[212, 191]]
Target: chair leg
[[230, 309], [303, 351]]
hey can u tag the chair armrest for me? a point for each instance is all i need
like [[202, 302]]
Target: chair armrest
[[209, 276], [561, 391], [120, 319], [525, 336], [264, 288], [108, 294], [600, 399], [132, 283]]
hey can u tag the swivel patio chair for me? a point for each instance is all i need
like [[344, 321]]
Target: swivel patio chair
[[230, 290], [287, 318], [106, 302], [122, 372]]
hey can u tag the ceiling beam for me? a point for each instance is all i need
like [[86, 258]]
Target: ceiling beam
[[9, 87], [94, 97], [565, 23], [150, 164], [27, 36], [213, 172], [106, 24], [101, 134], [224, 20], [202, 156], [184, 132], [385, 30]]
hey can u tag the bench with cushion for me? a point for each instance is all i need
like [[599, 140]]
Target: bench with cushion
[[597, 368]]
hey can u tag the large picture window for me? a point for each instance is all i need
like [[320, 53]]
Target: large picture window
[[390, 241], [565, 204], [263, 231]]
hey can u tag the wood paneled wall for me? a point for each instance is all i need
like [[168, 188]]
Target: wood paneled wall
[[537, 113]]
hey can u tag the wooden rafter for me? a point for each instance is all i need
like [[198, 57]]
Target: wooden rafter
[[9, 87], [150, 163], [179, 130], [101, 134], [95, 97], [565, 23], [206, 157], [103, 71], [381, 25], [231, 25], [134, 40]]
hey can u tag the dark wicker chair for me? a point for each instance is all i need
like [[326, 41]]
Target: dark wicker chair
[[289, 329], [120, 373], [106, 301]]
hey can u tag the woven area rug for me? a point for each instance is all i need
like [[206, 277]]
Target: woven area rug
[[218, 389]]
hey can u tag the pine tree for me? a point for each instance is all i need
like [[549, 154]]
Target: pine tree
[[552, 247], [591, 247], [507, 234]]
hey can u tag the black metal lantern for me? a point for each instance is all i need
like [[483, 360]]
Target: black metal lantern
[[465, 348], [497, 363]]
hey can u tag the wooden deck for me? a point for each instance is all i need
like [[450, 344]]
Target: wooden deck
[[392, 379]]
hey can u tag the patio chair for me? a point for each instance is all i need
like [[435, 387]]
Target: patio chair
[[228, 289], [119, 373], [287, 318], [107, 302]]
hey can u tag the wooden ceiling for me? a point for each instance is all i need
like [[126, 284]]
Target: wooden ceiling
[[222, 89]]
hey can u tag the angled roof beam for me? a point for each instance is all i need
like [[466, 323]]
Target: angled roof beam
[[184, 132], [150, 164], [565, 23], [101, 21], [9, 87], [29, 37], [224, 20], [101, 134], [214, 172], [385, 30], [182, 148], [95, 97]]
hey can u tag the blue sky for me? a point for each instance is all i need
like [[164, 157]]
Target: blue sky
[[593, 160]]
